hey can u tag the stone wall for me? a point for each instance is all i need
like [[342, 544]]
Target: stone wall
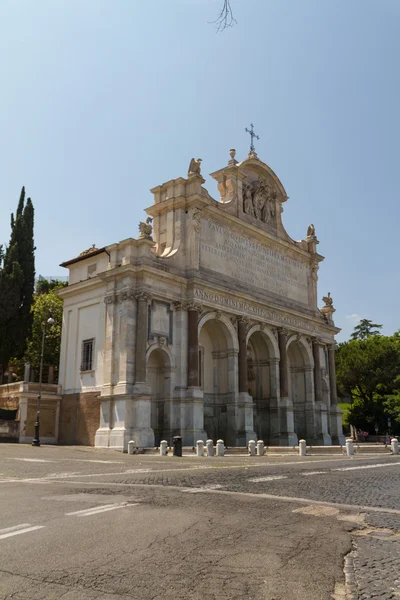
[[79, 418]]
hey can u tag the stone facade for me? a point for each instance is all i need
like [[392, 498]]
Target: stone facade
[[207, 325]]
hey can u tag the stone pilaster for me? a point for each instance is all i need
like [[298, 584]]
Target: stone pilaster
[[141, 336], [335, 413], [127, 342]]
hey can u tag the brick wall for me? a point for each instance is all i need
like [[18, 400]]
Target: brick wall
[[79, 418]]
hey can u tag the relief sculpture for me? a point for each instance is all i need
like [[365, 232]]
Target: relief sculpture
[[259, 201]]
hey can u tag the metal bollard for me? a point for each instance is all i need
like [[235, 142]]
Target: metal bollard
[[302, 448], [177, 444], [163, 448], [394, 443], [251, 448], [349, 447], [131, 447], [210, 447], [260, 448], [200, 448], [220, 448]]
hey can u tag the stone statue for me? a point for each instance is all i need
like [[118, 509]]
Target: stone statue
[[328, 309], [328, 300], [248, 207], [195, 167], [311, 231], [146, 229]]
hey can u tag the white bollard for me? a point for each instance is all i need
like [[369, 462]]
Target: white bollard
[[349, 447], [131, 447], [200, 448], [163, 448], [220, 447], [210, 447], [252, 448], [394, 443], [302, 448], [260, 448]]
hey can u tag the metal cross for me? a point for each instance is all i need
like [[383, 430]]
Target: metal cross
[[252, 135]]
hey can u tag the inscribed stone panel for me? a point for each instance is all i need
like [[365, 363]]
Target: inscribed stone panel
[[160, 319], [226, 252]]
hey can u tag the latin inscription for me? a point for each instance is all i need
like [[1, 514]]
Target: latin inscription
[[254, 311], [249, 262]]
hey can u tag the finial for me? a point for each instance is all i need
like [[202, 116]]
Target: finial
[[232, 153]]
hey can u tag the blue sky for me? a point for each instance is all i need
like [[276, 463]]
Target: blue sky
[[103, 99]]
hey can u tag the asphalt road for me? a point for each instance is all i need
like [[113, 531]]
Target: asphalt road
[[78, 523]]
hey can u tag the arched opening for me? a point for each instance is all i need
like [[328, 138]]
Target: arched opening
[[159, 379], [301, 390], [217, 380]]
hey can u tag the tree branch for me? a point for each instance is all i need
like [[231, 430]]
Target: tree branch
[[225, 18]]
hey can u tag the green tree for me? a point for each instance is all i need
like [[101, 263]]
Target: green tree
[[365, 329], [17, 277], [367, 370], [43, 286], [43, 305], [11, 278]]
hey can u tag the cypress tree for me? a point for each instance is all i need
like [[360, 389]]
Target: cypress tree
[[17, 280]]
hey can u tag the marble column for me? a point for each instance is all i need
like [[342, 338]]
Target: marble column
[[287, 435], [242, 331], [321, 411], [193, 345], [335, 416]]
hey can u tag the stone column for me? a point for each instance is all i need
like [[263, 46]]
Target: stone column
[[321, 411], [141, 337], [283, 364], [192, 406], [317, 371], [335, 420], [193, 345], [287, 435], [243, 419], [242, 331], [332, 374]]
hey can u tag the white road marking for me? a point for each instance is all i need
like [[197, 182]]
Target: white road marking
[[18, 529], [205, 488], [87, 512], [37, 460], [366, 466], [306, 473], [267, 478]]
